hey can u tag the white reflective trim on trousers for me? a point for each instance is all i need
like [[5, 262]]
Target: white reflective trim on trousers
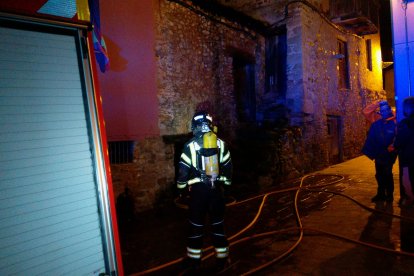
[[194, 256], [222, 252], [194, 250], [181, 185], [221, 249], [195, 224], [218, 222], [222, 255], [195, 237], [194, 253]]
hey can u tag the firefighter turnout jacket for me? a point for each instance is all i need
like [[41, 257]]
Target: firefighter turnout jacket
[[192, 165]]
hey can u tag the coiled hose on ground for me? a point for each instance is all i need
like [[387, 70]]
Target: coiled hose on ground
[[208, 252]]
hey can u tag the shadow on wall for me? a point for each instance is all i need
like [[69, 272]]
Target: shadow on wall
[[125, 207], [116, 61]]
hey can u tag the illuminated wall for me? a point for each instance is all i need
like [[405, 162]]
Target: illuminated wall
[[129, 87], [402, 13]]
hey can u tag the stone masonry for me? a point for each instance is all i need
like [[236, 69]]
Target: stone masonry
[[195, 51]]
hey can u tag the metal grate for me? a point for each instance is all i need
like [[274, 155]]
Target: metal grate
[[121, 152]]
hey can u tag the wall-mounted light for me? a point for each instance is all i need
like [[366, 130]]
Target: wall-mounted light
[[377, 55]]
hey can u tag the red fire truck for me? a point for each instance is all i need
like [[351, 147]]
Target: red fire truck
[[57, 214]]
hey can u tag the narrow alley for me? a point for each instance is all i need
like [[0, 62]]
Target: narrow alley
[[341, 229]]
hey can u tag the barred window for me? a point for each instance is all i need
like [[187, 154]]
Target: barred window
[[121, 152]]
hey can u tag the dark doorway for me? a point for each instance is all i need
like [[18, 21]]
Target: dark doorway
[[244, 88], [334, 124]]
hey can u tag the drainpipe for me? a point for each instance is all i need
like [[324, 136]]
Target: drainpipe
[[407, 48]]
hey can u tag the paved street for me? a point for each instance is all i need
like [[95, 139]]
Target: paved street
[[338, 233]]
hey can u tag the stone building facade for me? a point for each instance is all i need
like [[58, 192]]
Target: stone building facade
[[276, 132]]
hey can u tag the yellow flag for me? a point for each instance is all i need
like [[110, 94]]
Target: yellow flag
[[82, 9]]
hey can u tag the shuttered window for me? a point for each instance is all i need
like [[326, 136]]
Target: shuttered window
[[49, 218]]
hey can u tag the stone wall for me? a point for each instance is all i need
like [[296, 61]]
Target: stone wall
[[150, 176], [313, 92], [194, 53]]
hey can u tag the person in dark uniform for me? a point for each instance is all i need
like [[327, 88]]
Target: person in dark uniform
[[378, 147], [404, 145], [205, 171]]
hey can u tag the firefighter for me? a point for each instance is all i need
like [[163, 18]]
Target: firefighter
[[378, 147], [405, 148], [205, 170]]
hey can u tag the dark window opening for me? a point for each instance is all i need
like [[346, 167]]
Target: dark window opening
[[121, 152], [276, 53], [334, 128], [244, 88], [343, 72], [369, 54]]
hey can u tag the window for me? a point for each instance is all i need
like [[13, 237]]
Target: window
[[121, 152], [334, 126], [343, 74], [276, 54], [244, 88], [369, 54]]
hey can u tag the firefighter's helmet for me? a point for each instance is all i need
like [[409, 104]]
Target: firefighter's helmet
[[203, 121]]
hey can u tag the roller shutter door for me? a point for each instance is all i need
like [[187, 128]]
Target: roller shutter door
[[49, 216]]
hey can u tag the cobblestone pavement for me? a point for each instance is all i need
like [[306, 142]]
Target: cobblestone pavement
[[338, 229]]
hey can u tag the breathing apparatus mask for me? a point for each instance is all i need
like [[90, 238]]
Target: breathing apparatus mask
[[202, 123]]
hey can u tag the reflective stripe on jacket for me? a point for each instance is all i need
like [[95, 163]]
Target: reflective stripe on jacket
[[189, 165]]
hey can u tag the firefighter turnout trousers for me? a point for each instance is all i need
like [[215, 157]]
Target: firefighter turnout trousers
[[206, 200]]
